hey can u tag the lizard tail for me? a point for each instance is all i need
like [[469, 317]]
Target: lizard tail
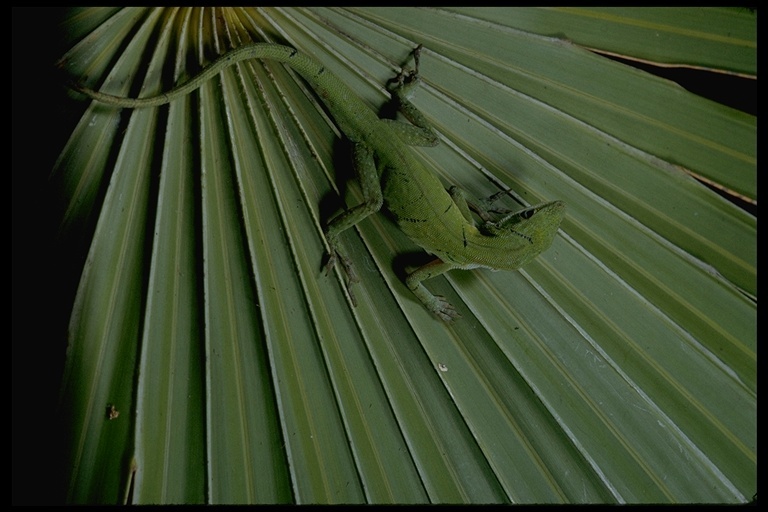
[[310, 69]]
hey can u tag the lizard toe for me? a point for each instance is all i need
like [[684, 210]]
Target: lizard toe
[[445, 310]]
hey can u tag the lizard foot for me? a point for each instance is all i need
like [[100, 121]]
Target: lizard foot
[[488, 203], [407, 79], [484, 207], [350, 275], [443, 309]]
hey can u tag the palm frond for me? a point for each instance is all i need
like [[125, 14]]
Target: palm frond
[[618, 367]]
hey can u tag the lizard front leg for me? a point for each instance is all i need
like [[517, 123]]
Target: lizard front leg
[[485, 207], [373, 200], [434, 303]]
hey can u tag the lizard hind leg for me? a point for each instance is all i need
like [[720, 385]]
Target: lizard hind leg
[[419, 132], [373, 199], [350, 275], [407, 79]]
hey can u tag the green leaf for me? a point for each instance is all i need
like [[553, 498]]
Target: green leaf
[[620, 366], [720, 39]]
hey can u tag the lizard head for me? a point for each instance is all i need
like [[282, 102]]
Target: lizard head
[[523, 235]]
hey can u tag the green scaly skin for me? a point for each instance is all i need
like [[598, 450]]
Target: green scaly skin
[[436, 219]]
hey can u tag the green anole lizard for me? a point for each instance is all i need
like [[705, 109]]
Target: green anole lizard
[[438, 220]]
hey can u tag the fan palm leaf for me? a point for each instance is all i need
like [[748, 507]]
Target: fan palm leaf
[[211, 361]]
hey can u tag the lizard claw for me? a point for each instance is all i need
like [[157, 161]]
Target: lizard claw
[[488, 203], [407, 79], [444, 309], [350, 275], [484, 207]]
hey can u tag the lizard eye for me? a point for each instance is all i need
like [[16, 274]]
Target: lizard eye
[[527, 214]]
